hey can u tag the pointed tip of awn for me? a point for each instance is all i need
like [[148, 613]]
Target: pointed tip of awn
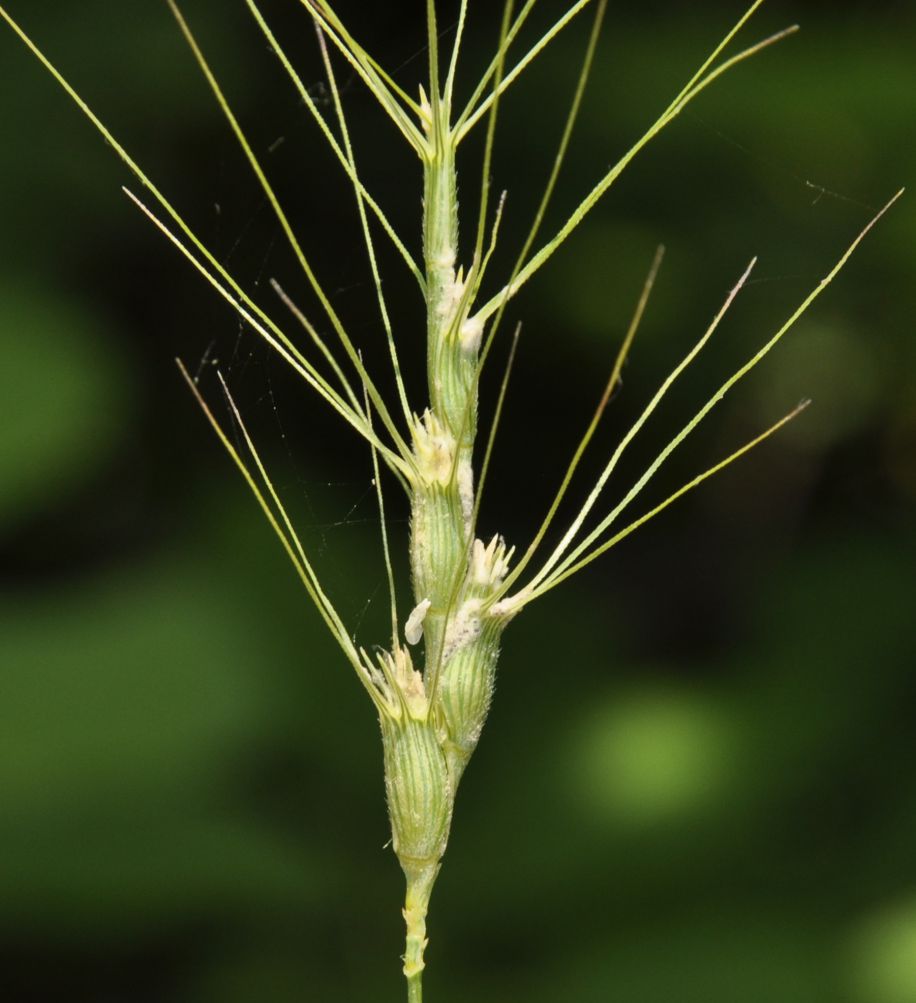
[[900, 193]]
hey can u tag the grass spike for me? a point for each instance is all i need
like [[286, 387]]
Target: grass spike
[[464, 588]]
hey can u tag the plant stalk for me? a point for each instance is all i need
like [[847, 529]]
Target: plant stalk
[[420, 880], [442, 500]]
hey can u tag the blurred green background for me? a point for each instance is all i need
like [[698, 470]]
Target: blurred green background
[[698, 783]]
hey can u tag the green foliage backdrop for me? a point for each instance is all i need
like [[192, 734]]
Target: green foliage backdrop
[[698, 784]]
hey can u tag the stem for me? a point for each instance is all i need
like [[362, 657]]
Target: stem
[[442, 500], [443, 495], [420, 880], [441, 250]]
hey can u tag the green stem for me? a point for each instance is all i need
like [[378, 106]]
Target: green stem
[[443, 500], [420, 882]]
